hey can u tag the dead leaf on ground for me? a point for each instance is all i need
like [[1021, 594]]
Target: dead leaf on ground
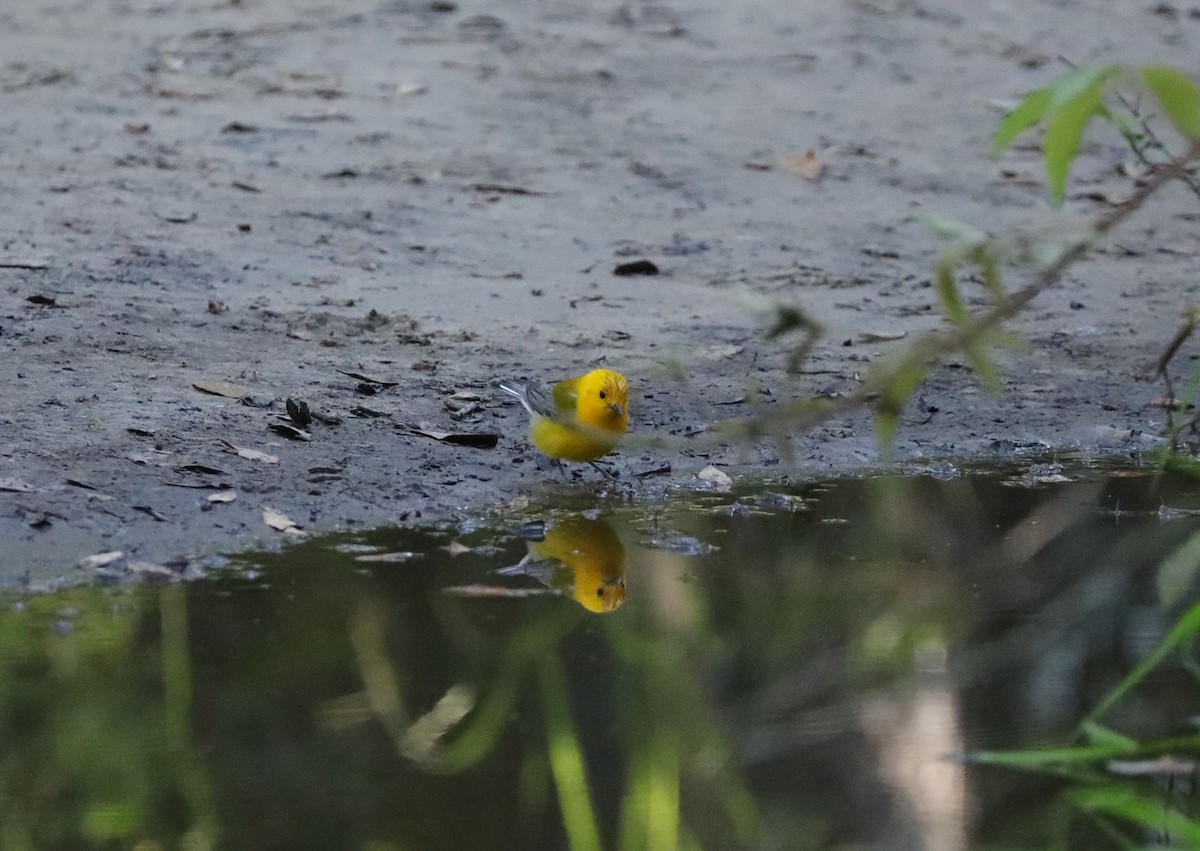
[[635, 268], [279, 521], [807, 165], [326, 418], [358, 376], [722, 352], [152, 458], [42, 300], [460, 410], [222, 496], [478, 440], [319, 117], [455, 548], [289, 431], [149, 510], [179, 217], [250, 454], [99, 560], [297, 410], [503, 189], [202, 469], [16, 486], [715, 477], [228, 389], [1112, 197], [149, 569], [881, 336]]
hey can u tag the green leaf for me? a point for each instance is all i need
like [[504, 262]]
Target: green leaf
[[1026, 114], [985, 368], [951, 230], [899, 386], [1178, 572], [1178, 95], [1063, 132], [1185, 629], [947, 289], [1043, 102], [1103, 736], [566, 760], [107, 822], [1078, 82], [1045, 758], [1065, 106], [1149, 812], [989, 273]]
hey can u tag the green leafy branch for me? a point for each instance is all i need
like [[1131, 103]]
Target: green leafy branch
[[1064, 108]]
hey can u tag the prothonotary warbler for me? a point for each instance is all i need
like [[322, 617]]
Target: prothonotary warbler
[[579, 419]]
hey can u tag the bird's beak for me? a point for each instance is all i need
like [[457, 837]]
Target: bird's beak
[[617, 408]]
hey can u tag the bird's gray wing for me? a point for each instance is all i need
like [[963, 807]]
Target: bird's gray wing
[[540, 400]]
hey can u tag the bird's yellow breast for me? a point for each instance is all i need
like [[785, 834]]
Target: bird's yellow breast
[[570, 443]]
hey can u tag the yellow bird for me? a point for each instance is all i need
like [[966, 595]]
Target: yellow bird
[[581, 558], [579, 419]]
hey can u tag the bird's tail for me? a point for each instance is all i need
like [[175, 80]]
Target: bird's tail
[[516, 389]]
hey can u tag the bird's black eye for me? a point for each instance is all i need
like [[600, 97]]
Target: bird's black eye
[[603, 395], [599, 592]]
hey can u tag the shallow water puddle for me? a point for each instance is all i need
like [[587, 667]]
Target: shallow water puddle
[[782, 668]]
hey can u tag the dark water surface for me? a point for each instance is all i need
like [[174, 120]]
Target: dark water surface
[[785, 668]]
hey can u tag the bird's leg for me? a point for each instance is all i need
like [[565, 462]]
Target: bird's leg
[[612, 474]]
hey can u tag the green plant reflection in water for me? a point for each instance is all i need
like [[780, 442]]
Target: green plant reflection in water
[[1116, 780], [788, 672], [100, 749], [650, 697]]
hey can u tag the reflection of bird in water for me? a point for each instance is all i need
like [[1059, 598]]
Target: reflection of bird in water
[[579, 557]]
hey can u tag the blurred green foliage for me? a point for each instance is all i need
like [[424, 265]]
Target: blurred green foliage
[[1064, 109]]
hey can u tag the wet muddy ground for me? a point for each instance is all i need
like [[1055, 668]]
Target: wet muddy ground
[[291, 197]]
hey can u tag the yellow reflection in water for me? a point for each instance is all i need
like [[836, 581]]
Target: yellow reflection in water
[[583, 559]]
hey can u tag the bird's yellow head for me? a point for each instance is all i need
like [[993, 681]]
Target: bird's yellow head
[[593, 558], [603, 400]]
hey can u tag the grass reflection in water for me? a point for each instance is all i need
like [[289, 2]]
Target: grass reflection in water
[[782, 669]]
